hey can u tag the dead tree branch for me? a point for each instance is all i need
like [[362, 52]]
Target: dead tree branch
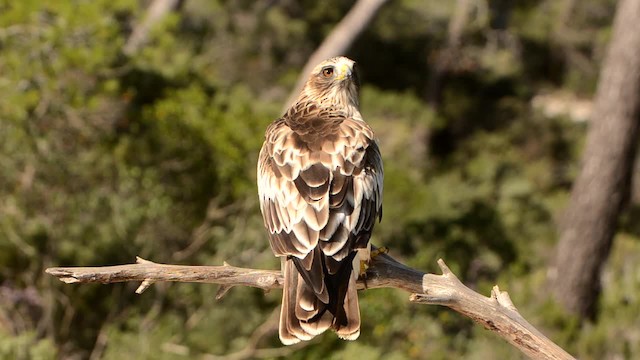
[[140, 34], [496, 313]]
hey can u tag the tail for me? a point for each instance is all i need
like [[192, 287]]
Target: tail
[[304, 315]]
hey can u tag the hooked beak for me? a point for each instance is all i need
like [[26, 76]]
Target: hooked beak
[[345, 71]]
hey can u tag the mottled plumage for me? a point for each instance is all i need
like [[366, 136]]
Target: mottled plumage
[[320, 187]]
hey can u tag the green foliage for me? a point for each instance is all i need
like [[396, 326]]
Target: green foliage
[[26, 346], [106, 156]]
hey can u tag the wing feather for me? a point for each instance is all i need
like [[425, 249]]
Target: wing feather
[[310, 199]]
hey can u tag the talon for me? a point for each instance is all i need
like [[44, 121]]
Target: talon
[[378, 251], [364, 266]]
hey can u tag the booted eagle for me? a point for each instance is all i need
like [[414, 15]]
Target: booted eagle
[[320, 187]]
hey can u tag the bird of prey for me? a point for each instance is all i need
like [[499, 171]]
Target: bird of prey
[[320, 187]]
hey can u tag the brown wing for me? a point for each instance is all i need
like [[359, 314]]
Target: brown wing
[[326, 196]]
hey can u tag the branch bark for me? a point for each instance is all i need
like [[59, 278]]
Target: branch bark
[[496, 313], [339, 40]]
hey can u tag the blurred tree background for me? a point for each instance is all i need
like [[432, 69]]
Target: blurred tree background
[[108, 152]]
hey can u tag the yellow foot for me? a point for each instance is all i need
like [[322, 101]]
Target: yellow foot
[[364, 266], [378, 251]]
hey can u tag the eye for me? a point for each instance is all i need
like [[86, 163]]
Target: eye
[[327, 72]]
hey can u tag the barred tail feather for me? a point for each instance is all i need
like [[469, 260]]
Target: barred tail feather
[[290, 331], [303, 315], [347, 321]]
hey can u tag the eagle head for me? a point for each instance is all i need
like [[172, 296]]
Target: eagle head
[[333, 83]]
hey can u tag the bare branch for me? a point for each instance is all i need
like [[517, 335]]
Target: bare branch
[[140, 34], [145, 270], [496, 313]]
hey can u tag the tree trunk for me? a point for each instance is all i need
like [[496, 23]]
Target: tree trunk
[[339, 40], [603, 185]]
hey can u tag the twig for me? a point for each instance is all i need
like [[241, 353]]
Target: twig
[[496, 313]]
